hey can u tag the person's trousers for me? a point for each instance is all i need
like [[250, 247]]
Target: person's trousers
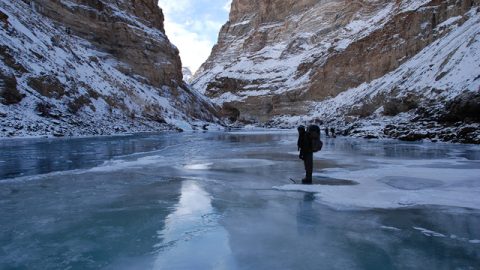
[[308, 161]]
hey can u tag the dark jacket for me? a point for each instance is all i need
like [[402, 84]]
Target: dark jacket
[[307, 147], [301, 138]]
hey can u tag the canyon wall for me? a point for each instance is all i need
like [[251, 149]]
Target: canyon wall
[[86, 67], [278, 63]]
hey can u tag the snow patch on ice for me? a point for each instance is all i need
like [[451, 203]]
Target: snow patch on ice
[[390, 228], [429, 232], [455, 188]]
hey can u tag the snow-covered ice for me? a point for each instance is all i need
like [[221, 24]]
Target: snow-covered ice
[[402, 183]]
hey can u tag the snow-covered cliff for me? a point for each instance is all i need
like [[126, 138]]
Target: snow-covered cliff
[[434, 95], [76, 67], [407, 67]]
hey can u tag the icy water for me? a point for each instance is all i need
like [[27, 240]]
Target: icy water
[[225, 201]]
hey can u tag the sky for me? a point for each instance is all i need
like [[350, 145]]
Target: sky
[[193, 26]]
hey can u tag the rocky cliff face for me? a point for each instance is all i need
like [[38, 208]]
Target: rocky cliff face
[[132, 31], [285, 62], [84, 67]]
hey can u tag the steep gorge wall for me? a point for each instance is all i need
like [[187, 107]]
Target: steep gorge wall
[[277, 58], [385, 49], [124, 29], [86, 67]]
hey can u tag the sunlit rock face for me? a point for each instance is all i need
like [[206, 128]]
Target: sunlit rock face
[[83, 67], [284, 58], [132, 31]]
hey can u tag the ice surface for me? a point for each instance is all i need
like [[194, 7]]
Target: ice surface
[[429, 232], [205, 201], [410, 183], [226, 164], [390, 228], [192, 232], [401, 183], [202, 166]]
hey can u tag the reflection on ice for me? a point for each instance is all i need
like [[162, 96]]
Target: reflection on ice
[[192, 237], [201, 166], [229, 163]]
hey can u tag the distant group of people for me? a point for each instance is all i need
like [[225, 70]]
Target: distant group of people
[[309, 142], [332, 132]]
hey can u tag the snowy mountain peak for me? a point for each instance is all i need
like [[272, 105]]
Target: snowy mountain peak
[[187, 74]]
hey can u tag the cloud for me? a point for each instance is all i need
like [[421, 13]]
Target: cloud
[[169, 6], [227, 6], [194, 48], [205, 26], [193, 26]]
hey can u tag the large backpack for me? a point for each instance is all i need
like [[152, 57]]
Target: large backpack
[[314, 132]]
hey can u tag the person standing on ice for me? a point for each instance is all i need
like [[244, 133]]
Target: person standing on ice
[[301, 137], [332, 132], [304, 145]]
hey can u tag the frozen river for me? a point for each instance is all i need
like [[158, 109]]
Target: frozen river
[[225, 201]]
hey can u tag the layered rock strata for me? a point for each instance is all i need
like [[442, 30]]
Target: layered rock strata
[[288, 61], [86, 67]]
